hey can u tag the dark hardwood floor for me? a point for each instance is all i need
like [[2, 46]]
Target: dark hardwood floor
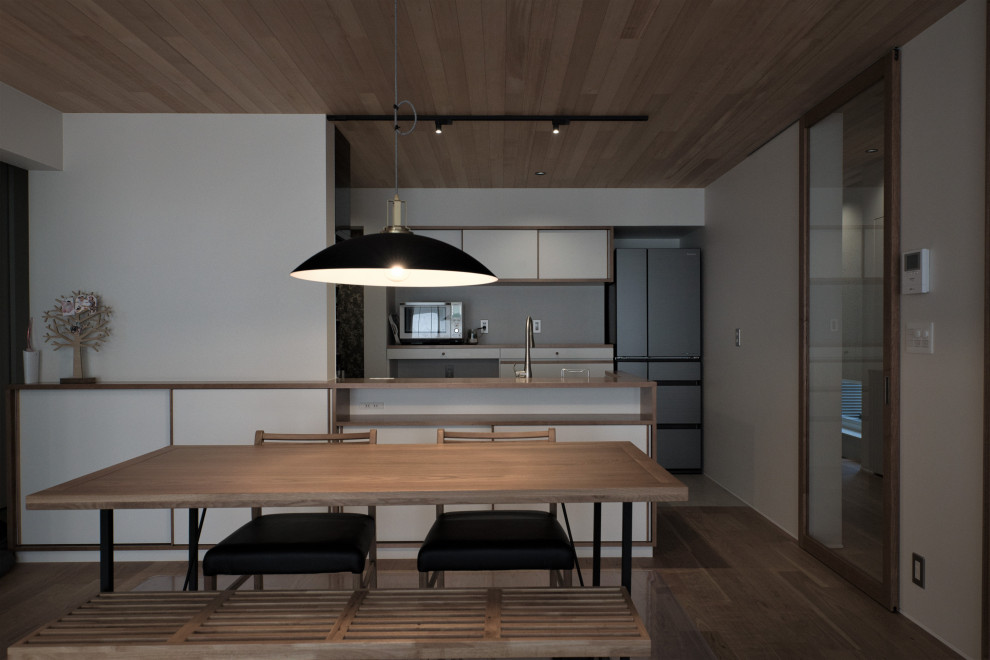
[[726, 583], [753, 593]]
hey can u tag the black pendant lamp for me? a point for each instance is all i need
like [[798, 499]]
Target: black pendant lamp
[[396, 256]]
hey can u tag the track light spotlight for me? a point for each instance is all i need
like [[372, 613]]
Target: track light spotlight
[[439, 127]]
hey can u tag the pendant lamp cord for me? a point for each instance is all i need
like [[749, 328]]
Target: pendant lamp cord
[[395, 86]]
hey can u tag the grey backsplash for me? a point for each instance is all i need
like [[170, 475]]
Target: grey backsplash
[[570, 314]]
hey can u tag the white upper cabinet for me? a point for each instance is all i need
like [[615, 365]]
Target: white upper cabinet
[[509, 253], [574, 254], [560, 255], [450, 236]]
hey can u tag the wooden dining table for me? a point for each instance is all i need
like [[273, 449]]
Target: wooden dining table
[[196, 477]]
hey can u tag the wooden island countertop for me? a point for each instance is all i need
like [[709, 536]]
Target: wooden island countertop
[[614, 379]]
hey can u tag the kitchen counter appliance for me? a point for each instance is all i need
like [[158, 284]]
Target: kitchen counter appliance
[[431, 322]]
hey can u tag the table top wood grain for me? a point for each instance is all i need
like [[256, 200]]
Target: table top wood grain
[[268, 475]]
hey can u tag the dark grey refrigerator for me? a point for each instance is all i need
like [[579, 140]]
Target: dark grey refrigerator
[[655, 325]]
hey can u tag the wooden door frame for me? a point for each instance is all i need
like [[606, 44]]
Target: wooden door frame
[[985, 632], [885, 591]]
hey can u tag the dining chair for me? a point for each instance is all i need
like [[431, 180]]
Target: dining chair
[[299, 543], [496, 539]]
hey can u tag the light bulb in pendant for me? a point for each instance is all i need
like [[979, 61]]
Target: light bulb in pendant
[[397, 274]]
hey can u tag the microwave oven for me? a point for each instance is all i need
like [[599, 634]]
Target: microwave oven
[[431, 322]]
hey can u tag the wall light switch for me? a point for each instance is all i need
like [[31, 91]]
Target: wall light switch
[[920, 337]]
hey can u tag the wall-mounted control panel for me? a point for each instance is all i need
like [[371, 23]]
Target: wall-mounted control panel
[[915, 277], [920, 337]]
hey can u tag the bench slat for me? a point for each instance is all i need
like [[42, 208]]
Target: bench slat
[[413, 623]]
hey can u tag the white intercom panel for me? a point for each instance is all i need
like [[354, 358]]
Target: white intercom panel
[[915, 276]]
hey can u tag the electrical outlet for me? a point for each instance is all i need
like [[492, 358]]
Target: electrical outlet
[[918, 569], [448, 371], [738, 337], [373, 405], [484, 326], [537, 326]]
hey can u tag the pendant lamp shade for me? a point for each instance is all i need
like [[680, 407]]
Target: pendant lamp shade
[[394, 259], [396, 256]]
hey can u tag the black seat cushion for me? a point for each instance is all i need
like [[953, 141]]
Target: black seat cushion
[[495, 541], [292, 543]]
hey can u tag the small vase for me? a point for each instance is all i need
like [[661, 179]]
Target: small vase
[[32, 364]]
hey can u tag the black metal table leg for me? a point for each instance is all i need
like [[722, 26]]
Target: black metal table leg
[[627, 546], [192, 577], [106, 550], [596, 552], [627, 549]]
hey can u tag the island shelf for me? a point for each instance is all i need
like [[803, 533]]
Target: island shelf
[[615, 399]]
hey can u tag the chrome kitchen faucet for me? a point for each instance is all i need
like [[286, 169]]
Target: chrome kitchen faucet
[[528, 364]]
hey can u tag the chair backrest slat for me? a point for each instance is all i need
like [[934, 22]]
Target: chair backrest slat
[[366, 437], [542, 435], [447, 436], [369, 437]]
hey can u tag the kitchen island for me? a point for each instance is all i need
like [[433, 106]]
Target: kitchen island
[[613, 407]]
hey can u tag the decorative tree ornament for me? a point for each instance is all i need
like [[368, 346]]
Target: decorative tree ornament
[[80, 322]]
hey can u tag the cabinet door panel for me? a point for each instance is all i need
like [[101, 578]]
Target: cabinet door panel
[[509, 253], [553, 369], [674, 289], [230, 417], [630, 302], [65, 434], [449, 236], [679, 404], [446, 353], [640, 369], [574, 254], [569, 353], [675, 370], [679, 449]]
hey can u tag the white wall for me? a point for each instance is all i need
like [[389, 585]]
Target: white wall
[[942, 197], [188, 226], [30, 131], [751, 283]]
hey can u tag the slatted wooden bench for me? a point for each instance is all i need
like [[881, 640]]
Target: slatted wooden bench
[[400, 623]]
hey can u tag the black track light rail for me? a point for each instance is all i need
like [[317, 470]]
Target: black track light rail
[[563, 120]]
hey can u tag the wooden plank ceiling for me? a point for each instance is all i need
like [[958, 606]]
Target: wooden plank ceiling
[[718, 78]]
